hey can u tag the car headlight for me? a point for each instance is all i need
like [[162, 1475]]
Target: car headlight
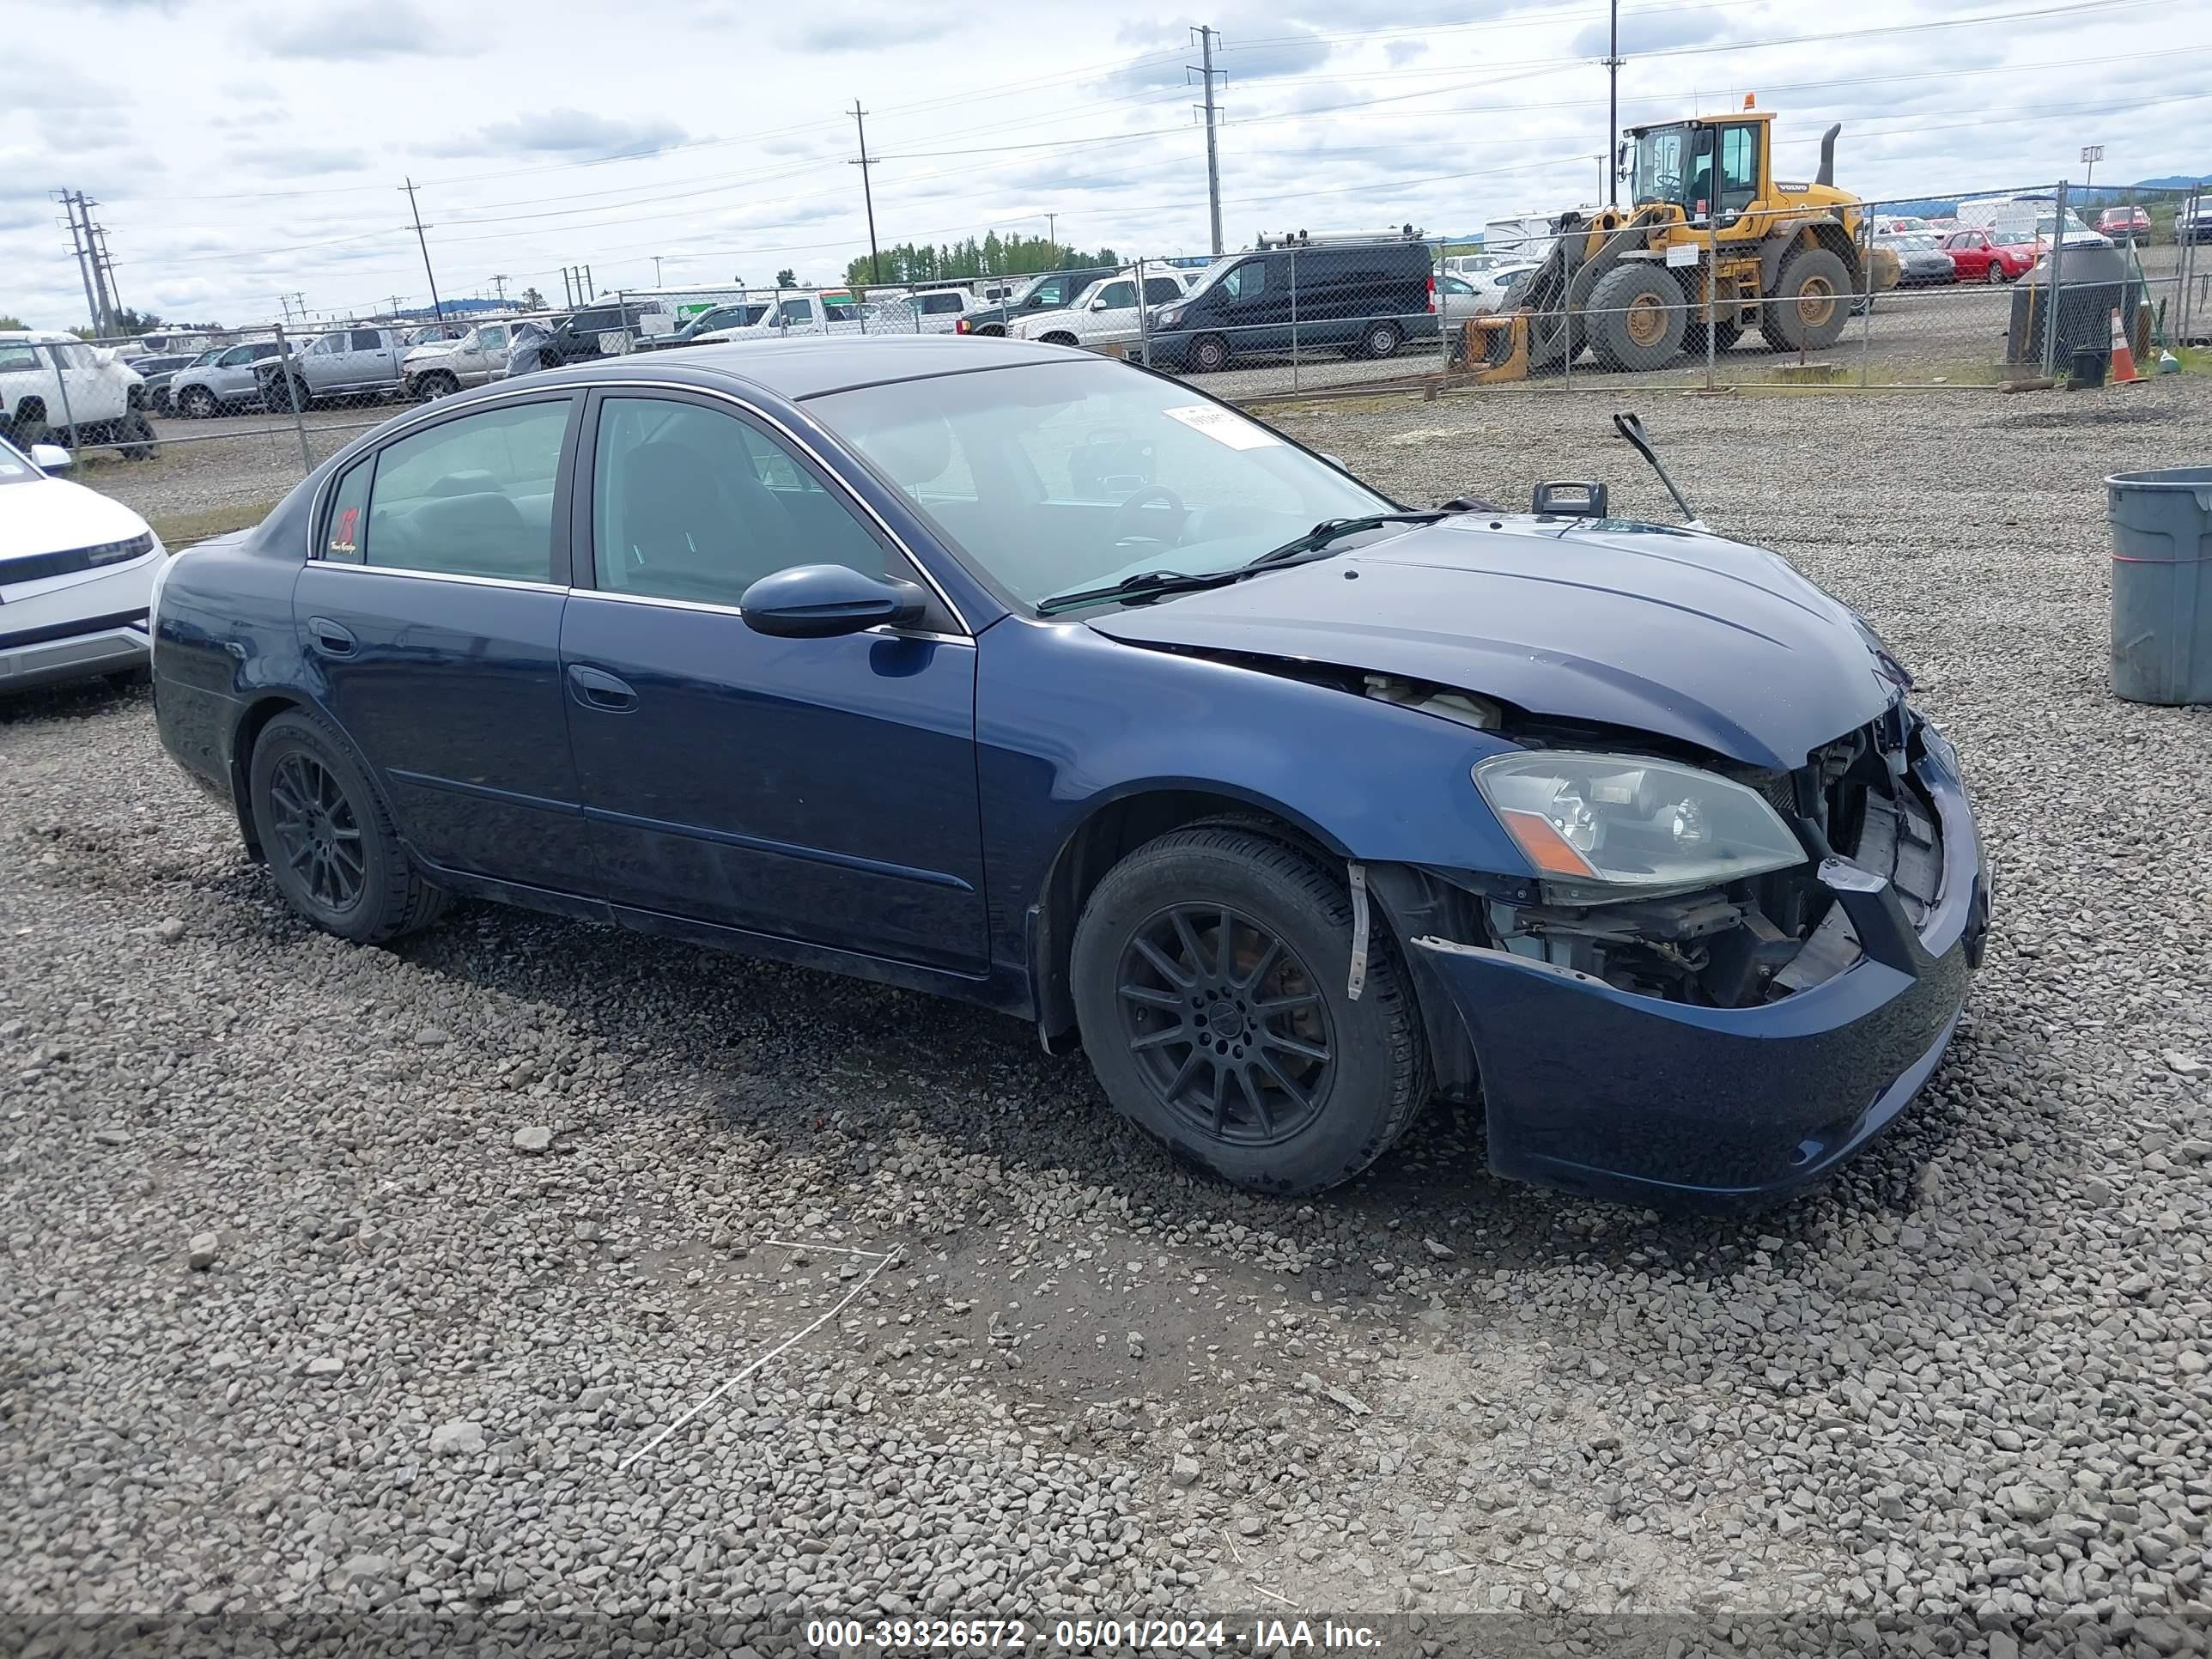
[[1602, 828], [1171, 317]]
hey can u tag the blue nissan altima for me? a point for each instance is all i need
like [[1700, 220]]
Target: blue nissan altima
[[1035, 679]]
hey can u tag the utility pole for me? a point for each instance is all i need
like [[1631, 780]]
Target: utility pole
[[84, 268], [584, 290], [656, 270], [436, 310], [499, 284], [107, 266], [1612, 110], [1206, 70], [1051, 231], [103, 309], [867, 195]]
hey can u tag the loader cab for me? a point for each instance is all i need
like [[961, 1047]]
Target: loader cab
[[1711, 170]]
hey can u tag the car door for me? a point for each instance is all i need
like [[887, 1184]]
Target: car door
[[375, 358], [431, 614], [88, 392], [1108, 315], [486, 354], [816, 790]]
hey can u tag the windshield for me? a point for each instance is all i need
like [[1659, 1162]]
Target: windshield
[[206, 357], [1660, 153], [1053, 477]]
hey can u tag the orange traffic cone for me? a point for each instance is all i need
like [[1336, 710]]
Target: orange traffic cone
[[2123, 356]]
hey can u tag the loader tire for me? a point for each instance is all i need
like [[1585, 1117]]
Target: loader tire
[[1811, 302], [1637, 315]]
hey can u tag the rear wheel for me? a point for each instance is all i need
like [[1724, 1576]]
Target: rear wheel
[[1810, 304], [1637, 317], [331, 845], [1210, 979]]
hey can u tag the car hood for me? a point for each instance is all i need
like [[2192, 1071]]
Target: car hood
[[52, 515], [1669, 631], [426, 353]]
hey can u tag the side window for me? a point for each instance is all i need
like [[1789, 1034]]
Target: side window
[[236, 357], [368, 339], [1159, 290], [262, 352], [1246, 280], [936, 305], [688, 503], [1049, 296], [1118, 297], [346, 538], [795, 311], [18, 359], [472, 496], [1739, 166], [491, 339]]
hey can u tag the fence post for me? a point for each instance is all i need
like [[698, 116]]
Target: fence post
[[1865, 312], [61, 384], [1294, 316], [1712, 282], [1144, 319], [2051, 315], [1443, 308], [292, 398]]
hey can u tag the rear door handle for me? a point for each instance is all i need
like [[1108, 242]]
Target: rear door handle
[[595, 688], [331, 639]]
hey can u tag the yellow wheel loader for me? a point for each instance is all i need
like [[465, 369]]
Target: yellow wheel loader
[[1707, 223]]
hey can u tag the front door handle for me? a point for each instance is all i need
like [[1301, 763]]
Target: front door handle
[[331, 639], [595, 688]]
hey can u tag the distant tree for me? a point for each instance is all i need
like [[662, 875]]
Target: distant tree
[[994, 255], [784, 278], [128, 321], [532, 300], [13, 322]]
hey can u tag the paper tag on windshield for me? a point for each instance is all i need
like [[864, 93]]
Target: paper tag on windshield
[[1224, 426]]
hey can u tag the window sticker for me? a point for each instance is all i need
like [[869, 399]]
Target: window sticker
[[1224, 426]]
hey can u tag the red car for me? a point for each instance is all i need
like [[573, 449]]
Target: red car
[[2123, 221], [1978, 257]]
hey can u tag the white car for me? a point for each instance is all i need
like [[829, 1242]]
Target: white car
[[1464, 296], [835, 312], [77, 576], [1105, 313], [50, 381]]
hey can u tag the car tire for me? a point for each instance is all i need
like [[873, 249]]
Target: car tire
[[29, 425], [1995, 276], [1209, 354], [1639, 317], [135, 435], [311, 799], [437, 384], [273, 400], [1381, 341], [196, 402], [1291, 1097], [1059, 339], [1810, 305]]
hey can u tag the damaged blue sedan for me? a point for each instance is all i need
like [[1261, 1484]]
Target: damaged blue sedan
[[1032, 678]]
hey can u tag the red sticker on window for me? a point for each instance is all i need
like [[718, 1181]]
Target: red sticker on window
[[342, 531]]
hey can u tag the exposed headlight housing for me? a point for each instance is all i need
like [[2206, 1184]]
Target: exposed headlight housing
[[1602, 828], [1171, 316]]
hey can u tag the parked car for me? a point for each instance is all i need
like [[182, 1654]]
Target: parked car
[[833, 311], [1920, 259], [1365, 298], [50, 382], [76, 570], [941, 310], [593, 331], [2129, 223], [712, 321], [156, 370], [221, 381], [432, 334], [1978, 256], [351, 363], [1035, 680], [1051, 290], [439, 370], [2194, 224], [1105, 313]]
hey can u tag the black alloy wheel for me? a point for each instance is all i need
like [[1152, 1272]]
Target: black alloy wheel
[[1226, 1024], [316, 832]]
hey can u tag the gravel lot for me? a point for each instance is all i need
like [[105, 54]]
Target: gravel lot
[[295, 1324]]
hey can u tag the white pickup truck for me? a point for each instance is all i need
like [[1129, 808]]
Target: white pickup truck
[[833, 312], [1105, 313]]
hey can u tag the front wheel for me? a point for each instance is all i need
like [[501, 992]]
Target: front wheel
[[136, 433], [1209, 354], [331, 845], [196, 402], [1210, 973], [437, 384], [1995, 277]]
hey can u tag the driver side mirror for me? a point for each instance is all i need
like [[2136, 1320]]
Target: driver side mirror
[[822, 601], [51, 458], [1098, 304]]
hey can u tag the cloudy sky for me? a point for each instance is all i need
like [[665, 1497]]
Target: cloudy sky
[[242, 149]]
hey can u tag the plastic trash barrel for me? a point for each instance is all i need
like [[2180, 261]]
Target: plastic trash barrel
[[2162, 584]]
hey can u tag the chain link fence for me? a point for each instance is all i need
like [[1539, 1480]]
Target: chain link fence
[[1980, 289]]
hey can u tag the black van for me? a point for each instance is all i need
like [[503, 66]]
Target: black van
[[1366, 298]]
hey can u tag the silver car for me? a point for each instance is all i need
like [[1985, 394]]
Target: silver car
[[441, 369], [221, 381]]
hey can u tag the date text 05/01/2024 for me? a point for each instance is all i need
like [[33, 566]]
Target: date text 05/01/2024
[[900, 1635]]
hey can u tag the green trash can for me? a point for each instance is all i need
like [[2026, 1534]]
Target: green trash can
[[2162, 584]]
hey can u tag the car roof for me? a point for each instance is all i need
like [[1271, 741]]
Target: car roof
[[37, 337], [807, 366]]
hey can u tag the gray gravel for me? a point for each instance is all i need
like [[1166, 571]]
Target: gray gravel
[[339, 1280]]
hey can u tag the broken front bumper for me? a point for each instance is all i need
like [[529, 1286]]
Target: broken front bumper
[[1603, 1091]]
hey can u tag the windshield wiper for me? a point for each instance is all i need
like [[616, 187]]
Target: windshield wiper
[[1144, 584], [1330, 530]]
